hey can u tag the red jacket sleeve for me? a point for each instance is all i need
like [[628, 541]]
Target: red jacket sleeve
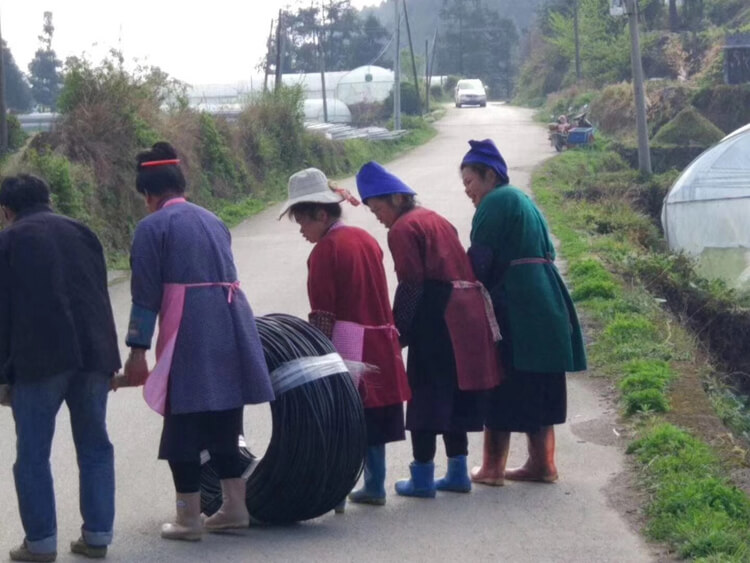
[[407, 248], [321, 278]]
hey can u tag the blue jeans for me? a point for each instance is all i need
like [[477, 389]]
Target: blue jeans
[[35, 406]]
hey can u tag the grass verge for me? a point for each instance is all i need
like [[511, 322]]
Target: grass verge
[[591, 199]]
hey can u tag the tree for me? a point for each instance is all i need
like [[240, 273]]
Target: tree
[[17, 91], [605, 47], [347, 40], [479, 43], [45, 67], [674, 20]]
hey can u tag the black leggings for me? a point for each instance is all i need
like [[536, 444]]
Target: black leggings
[[187, 474], [424, 444]]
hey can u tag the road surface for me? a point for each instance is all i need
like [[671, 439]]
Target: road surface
[[573, 520]]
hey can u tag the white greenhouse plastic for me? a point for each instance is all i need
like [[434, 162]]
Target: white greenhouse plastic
[[365, 84], [338, 112], [706, 213]]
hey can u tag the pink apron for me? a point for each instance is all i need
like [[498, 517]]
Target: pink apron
[[375, 345], [170, 318], [473, 331]]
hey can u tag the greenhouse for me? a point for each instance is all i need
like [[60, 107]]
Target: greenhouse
[[338, 112], [365, 85], [705, 213]]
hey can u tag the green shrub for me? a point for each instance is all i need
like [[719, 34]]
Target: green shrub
[[224, 171], [410, 101], [645, 401], [590, 289], [646, 374], [589, 268], [16, 136], [450, 84], [689, 127], [665, 449], [67, 194]]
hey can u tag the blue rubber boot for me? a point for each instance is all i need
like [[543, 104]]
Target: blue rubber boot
[[374, 490], [422, 482], [456, 478]]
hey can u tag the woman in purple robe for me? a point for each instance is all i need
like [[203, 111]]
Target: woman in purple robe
[[209, 357]]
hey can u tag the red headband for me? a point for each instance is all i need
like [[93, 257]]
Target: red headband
[[159, 163]]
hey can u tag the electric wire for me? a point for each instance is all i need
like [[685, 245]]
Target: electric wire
[[318, 440]]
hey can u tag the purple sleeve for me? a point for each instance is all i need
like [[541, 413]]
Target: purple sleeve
[[146, 267]]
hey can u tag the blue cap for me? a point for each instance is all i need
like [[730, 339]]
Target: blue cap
[[485, 152], [373, 181]]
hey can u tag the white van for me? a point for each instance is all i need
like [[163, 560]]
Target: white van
[[470, 91]]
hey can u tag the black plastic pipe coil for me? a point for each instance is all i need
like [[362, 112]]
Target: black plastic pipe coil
[[318, 440]]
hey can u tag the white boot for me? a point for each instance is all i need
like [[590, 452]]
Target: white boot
[[233, 512], [188, 525]]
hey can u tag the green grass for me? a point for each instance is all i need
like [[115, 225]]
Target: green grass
[[693, 507], [587, 198]]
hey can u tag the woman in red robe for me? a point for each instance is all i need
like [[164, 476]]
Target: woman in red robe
[[445, 318], [349, 302]]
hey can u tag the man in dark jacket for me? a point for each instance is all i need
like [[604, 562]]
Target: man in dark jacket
[[57, 343]]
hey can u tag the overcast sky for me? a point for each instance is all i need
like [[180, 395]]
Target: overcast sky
[[212, 41]]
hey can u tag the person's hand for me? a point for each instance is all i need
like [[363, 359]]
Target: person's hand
[[136, 367], [5, 395]]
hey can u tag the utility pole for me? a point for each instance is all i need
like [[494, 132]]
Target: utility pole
[[644, 153], [413, 61], [577, 40], [322, 57], [3, 114], [268, 58], [397, 69], [427, 76], [278, 52]]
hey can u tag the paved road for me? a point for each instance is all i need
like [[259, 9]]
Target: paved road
[[570, 521]]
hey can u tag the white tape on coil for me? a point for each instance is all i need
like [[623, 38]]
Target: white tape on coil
[[304, 370]]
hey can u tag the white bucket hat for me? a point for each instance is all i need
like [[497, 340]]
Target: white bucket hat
[[309, 186]]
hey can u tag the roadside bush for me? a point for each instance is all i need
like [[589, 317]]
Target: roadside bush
[[645, 401], [614, 109], [16, 136], [409, 101], [223, 172], [67, 193], [689, 127], [646, 374], [450, 84], [436, 92], [726, 106], [595, 288], [365, 115]]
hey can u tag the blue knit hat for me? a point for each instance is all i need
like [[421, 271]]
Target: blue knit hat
[[485, 152], [373, 180]]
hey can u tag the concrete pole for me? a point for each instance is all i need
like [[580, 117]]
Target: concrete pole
[[413, 61], [279, 39], [644, 153], [577, 40], [322, 57], [397, 70], [427, 76]]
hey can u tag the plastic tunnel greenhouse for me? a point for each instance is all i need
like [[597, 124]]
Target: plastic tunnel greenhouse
[[706, 213], [365, 84]]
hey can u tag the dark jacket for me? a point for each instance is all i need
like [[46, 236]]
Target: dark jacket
[[55, 313]]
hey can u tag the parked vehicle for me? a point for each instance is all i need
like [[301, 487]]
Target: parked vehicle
[[470, 91], [565, 133]]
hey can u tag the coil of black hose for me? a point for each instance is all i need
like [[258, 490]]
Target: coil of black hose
[[318, 439]]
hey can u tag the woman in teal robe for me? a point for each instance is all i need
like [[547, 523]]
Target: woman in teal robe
[[513, 256]]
